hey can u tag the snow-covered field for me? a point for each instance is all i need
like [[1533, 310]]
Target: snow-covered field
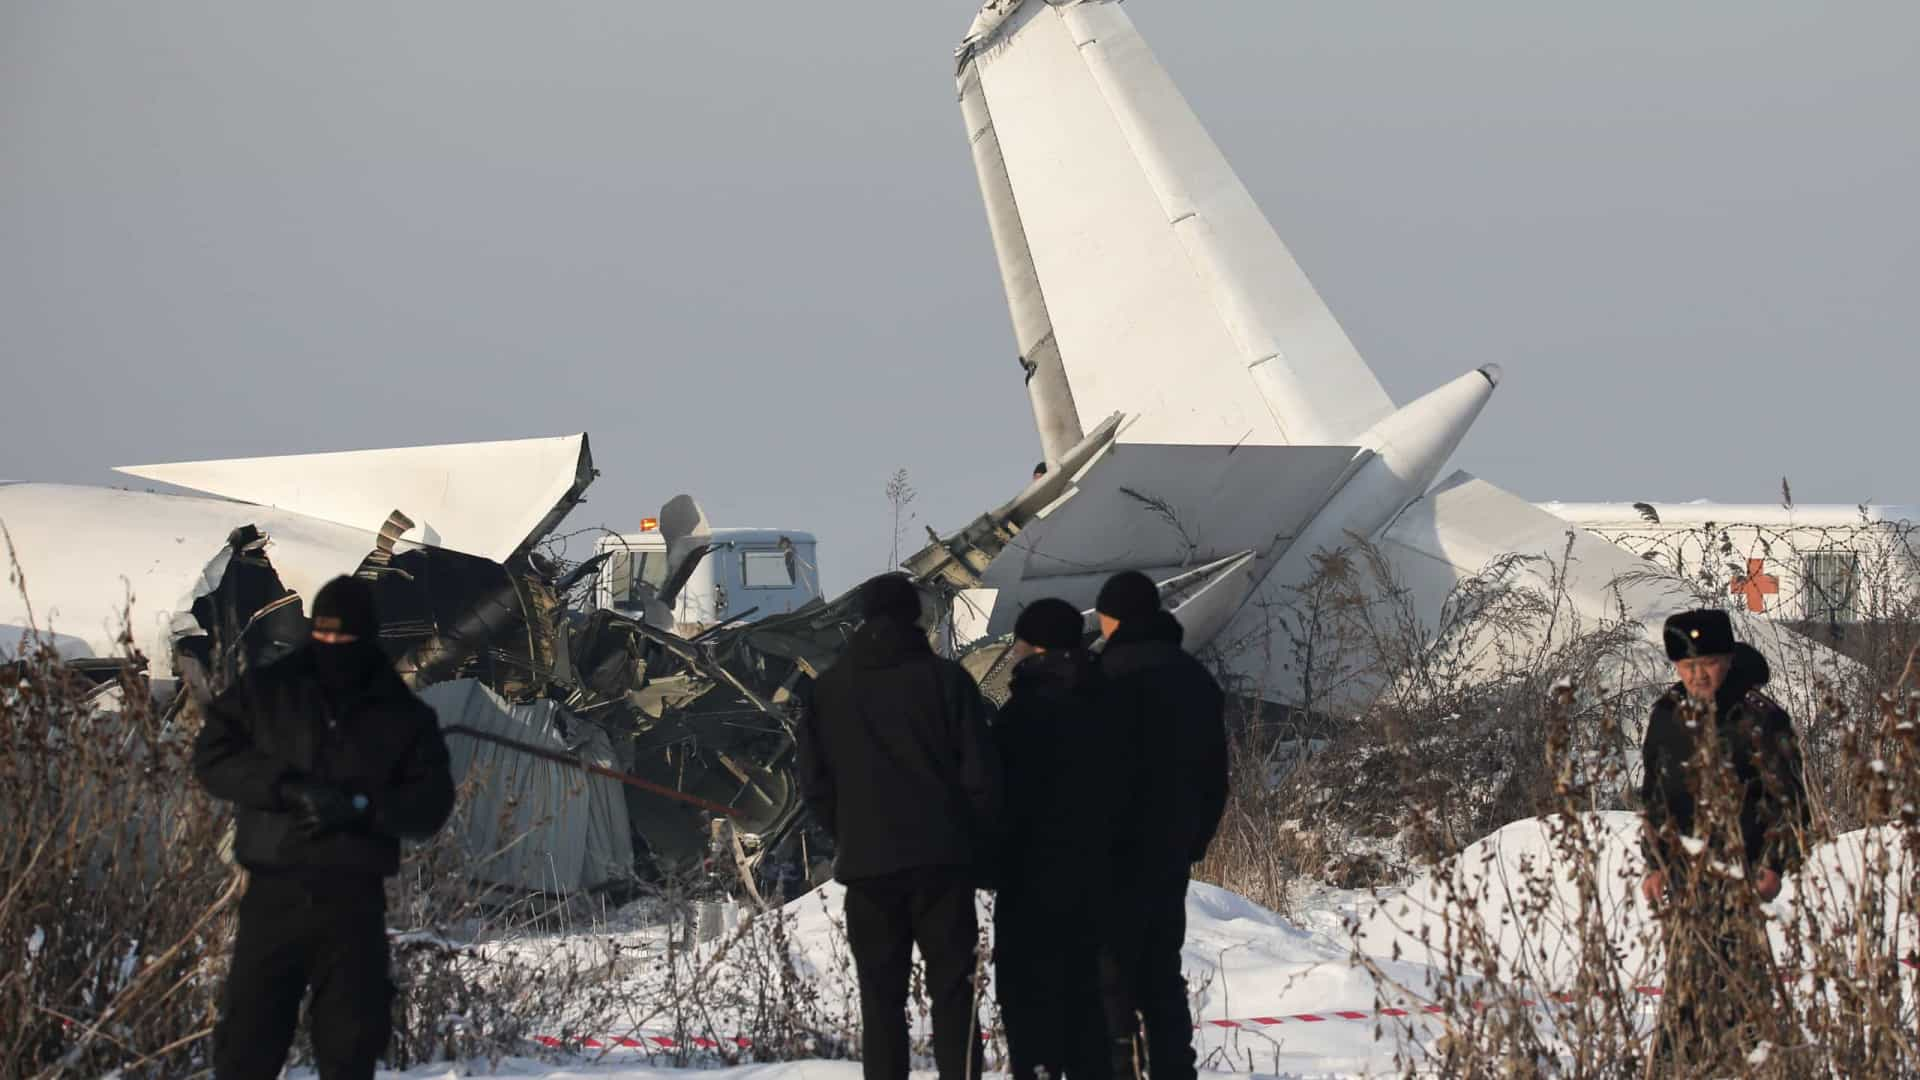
[[1336, 990]]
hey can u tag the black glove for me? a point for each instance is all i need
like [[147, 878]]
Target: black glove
[[318, 808]]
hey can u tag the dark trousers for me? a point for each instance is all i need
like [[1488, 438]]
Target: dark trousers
[[886, 917], [1046, 976], [330, 936], [1719, 990], [1141, 986]]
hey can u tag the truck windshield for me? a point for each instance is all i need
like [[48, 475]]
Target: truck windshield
[[629, 570]]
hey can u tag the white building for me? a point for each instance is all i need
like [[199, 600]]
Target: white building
[[1824, 563]]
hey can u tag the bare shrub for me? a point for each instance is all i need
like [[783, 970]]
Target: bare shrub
[[1413, 743], [115, 908], [474, 982], [777, 985], [1550, 963], [1414, 740], [1543, 958]]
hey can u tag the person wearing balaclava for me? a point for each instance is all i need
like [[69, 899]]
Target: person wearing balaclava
[[1166, 715], [897, 765], [1725, 804], [1053, 862], [329, 761]]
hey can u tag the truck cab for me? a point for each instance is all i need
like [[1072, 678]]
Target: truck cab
[[745, 574]]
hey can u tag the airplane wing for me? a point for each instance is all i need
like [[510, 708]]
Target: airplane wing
[[491, 499], [1140, 274]]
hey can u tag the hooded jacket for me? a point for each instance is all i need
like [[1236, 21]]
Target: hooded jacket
[[1168, 721], [1055, 759], [1755, 735], [896, 760], [371, 737]]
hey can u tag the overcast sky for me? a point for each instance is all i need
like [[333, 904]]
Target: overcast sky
[[742, 246]]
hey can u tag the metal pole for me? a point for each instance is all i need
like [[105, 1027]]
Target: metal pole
[[561, 757]]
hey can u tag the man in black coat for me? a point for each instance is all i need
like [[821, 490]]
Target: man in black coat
[[1167, 718], [329, 761], [897, 764], [1726, 814], [1053, 865]]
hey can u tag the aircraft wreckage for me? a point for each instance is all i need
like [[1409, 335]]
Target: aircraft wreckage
[[1237, 437], [608, 744]]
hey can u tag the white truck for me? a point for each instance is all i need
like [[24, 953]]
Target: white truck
[[741, 574]]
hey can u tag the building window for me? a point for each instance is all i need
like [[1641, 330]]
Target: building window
[[767, 569], [1830, 584]]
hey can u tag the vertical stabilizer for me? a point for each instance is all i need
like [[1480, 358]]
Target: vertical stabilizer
[[1140, 274], [1054, 414]]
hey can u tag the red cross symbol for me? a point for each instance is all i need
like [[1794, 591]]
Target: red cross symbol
[[1757, 585]]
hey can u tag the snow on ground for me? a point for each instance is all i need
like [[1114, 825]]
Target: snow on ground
[[527, 1069], [616, 1070], [1300, 993], [1516, 888]]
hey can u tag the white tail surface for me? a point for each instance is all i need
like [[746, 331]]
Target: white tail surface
[[1148, 507], [1140, 274]]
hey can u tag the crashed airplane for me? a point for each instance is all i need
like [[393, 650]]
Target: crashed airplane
[[1204, 417], [669, 734]]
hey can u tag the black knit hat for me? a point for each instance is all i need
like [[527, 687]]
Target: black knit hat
[[1705, 632], [1129, 594], [890, 596], [1050, 623], [345, 606]]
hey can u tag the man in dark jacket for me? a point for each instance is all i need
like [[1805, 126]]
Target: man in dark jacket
[[1053, 868], [897, 764], [329, 761], [1726, 813], [1167, 718]]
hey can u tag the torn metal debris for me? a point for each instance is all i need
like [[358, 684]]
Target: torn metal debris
[[616, 740]]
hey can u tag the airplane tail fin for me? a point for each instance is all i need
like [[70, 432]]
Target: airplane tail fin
[[1140, 275]]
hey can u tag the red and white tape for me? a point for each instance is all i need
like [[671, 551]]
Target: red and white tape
[[651, 1042], [638, 1042], [642, 1041]]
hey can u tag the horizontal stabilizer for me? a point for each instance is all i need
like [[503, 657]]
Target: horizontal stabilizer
[[1466, 523], [1150, 505], [1203, 598], [491, 499]]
